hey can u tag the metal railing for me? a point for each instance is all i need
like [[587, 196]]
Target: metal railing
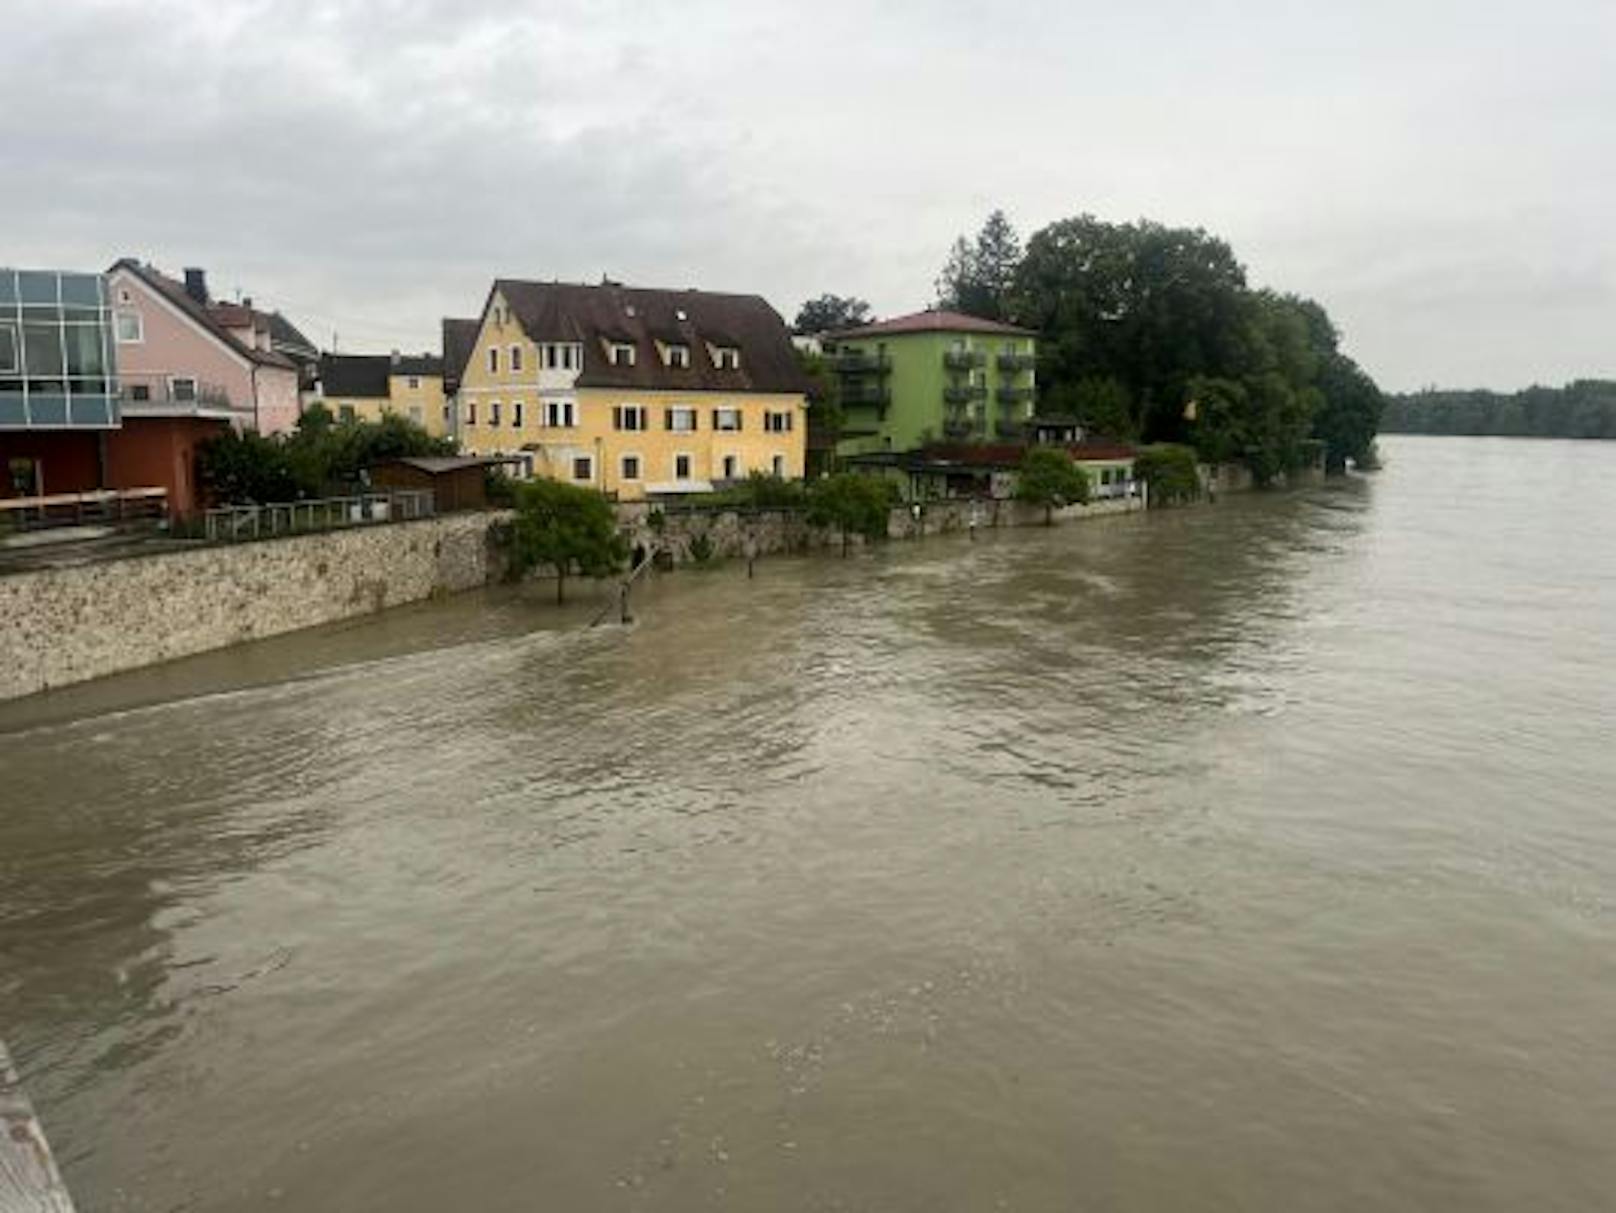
[[1014, 395], [965, 393], [1017, 362], [862, 364], [964, 360], [866, 393], [236, 523]]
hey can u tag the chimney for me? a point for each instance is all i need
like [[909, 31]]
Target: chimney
[[394, 359], [247, 303], [196, 285]]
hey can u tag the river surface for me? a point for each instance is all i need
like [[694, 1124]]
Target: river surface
[[1252, 857]]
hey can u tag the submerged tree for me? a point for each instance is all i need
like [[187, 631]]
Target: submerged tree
[[852, 503], [1049, 478], [566, 528]]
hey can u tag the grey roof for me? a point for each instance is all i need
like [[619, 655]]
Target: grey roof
[[363, 376], [593, 315], [459, 338]]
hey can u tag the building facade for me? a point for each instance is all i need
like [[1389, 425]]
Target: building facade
[[183, 355], [58, 382], [932, 377], [633, 392], [368, 387]]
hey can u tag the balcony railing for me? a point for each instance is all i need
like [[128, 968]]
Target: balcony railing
[[1017, 362], [1014, 395], [1011, 430], [859, 363], [866, 393], [966, 393], [959, 427], [964, 360], [166, 394]]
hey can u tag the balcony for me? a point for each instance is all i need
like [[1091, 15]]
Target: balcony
[[964, 360], [968, 393], [1014, 395], [1015, 363], [959, 427], [146, 395], [877, 394], [855, 362], [1011, 431]]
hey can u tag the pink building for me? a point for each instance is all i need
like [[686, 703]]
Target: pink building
[[183, 355]]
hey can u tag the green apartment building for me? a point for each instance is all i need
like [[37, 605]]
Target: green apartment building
[[933, 377]]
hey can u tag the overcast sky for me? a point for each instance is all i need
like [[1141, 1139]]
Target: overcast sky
[[1439, 174]]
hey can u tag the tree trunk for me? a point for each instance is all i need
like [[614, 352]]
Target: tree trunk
[[844, 543], [561, 585], [1049, 515]]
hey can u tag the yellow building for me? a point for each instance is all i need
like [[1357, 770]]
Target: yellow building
[[369, 386], [633, 392]]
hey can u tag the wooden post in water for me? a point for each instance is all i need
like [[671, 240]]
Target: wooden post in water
[[29, 1180]]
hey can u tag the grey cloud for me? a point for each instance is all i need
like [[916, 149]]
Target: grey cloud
[[1432, 173]]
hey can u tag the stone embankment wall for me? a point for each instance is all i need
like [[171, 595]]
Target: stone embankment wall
[[65, 625], [729, 535]]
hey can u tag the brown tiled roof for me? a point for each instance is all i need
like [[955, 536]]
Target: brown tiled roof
[[591, 315], [934, 321], [174, 291], [459, 339]]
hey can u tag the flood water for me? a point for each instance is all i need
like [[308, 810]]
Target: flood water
[[1259, 857]]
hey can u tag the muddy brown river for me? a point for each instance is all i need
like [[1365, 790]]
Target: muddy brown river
[[1253, 857]]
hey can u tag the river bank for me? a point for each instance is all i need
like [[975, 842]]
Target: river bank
[[63, 626]]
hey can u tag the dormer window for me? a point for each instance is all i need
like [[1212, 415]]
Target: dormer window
[[677, 356], [726, 357], [621, 353]]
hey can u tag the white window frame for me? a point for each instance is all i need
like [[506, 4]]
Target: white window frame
[[678, 357], [777, 423], [689, 462], [584, 459], [673, 410], [778, 466], [516, 360], [726, 471], [517, 411], [621, 414], [622, 467], [726, 358], [413, 382], [471, 412], [173, 389], [493, 414], [573, 357], [735, 415], [493, 360], [623, 354], [118, 317]]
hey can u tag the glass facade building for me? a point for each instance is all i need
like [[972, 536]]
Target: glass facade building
[[58, 366]]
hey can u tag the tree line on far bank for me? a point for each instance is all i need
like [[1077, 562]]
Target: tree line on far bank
[[1585, 408], [1153, 334]]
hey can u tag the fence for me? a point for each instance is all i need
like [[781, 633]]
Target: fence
[[236, 523], [101, 507]]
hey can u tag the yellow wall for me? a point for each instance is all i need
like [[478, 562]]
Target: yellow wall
[[427, 397], [553, 449]]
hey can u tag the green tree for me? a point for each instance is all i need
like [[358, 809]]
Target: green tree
[[238, 467], [1170, 472], [566, 528], [978, 276], [854, 504], [1050, 479], [831, 314]]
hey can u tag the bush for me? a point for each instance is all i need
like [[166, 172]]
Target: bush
[[1049, 478], [762, 491], [1171, 472]]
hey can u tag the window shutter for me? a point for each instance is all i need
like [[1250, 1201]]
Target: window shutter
[[739, 421], [617, 417]]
